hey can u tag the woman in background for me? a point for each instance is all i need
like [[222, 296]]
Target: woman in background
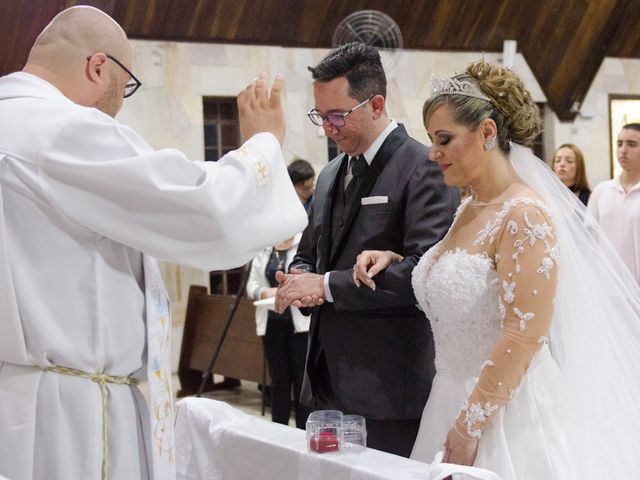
[[284, 336], [568, 165]]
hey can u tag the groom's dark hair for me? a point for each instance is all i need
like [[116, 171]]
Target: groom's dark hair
[[360, 64]]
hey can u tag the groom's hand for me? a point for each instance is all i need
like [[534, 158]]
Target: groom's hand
[[299, 290]]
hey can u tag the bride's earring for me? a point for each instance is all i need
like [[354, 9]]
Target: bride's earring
[[490, 143]]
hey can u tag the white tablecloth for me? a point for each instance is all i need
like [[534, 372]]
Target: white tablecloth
[[214, 441]]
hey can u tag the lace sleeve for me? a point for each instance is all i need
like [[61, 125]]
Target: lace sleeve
[[526, 260]]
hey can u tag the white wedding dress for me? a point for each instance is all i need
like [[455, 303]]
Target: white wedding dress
[[536, 323], [485, 289]]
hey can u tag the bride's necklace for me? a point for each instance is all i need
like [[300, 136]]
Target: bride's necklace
[[478, 203], [485, 204], [497, 200]]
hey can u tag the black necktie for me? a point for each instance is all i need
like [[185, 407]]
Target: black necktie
[[358, 166]]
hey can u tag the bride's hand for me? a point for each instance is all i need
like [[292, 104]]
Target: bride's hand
[[371, 262], [460, 449]]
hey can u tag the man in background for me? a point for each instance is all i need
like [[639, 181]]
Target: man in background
[[615, 204], [303, 178]]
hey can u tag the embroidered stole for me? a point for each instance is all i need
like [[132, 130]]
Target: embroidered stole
[[158, 323]]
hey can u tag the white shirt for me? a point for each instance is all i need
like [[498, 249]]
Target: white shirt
[[82, 197], [370, 152], [618, 213]]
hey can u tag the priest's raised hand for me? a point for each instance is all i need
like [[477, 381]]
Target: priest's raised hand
[[260, 111]]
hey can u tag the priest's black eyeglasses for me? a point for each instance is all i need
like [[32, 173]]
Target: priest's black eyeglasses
[[131, 87]]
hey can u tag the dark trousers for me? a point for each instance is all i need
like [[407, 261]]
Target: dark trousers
[[391, 436], [286, 352]]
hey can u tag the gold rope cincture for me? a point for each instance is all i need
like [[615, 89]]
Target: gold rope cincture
[[101, 379]]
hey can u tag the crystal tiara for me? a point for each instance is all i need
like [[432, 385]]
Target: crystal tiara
[[453, 86]]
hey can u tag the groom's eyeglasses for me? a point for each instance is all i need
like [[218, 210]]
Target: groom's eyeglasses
[[335, 119]]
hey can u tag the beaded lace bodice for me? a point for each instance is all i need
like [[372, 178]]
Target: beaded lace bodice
[[489, 297], [459, 294]]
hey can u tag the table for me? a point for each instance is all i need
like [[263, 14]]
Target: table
[[215, 441]]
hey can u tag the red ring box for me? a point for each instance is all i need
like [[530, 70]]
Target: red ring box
[[324, 442]]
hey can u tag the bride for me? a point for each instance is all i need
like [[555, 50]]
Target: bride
[[535, 319]]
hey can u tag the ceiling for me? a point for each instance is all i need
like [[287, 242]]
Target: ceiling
[[563, 41]]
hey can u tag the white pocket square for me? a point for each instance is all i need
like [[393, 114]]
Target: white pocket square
[[374, 200]]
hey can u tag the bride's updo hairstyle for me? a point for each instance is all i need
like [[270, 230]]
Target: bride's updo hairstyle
[[509, 103]]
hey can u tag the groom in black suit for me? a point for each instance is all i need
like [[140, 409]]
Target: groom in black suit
[[370, 352]]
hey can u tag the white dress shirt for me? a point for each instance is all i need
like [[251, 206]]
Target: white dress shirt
[[618, 213]]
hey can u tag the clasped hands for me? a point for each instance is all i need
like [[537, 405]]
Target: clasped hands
[[299, 289], [302, 289]]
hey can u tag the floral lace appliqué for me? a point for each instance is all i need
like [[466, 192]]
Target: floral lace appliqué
[[509, 287], [502, 310], [532, 233], [545, 267], [488, 363], [491, 229], [476, 413], [523, 317]]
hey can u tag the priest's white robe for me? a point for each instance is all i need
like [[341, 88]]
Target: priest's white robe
[[82, 197]]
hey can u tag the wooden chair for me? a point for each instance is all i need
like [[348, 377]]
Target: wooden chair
[[241, 355]]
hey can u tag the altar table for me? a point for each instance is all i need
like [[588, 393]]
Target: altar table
[[215, 441]]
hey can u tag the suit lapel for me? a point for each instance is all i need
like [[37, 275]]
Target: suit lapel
[[325, 243], [385, 153]]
